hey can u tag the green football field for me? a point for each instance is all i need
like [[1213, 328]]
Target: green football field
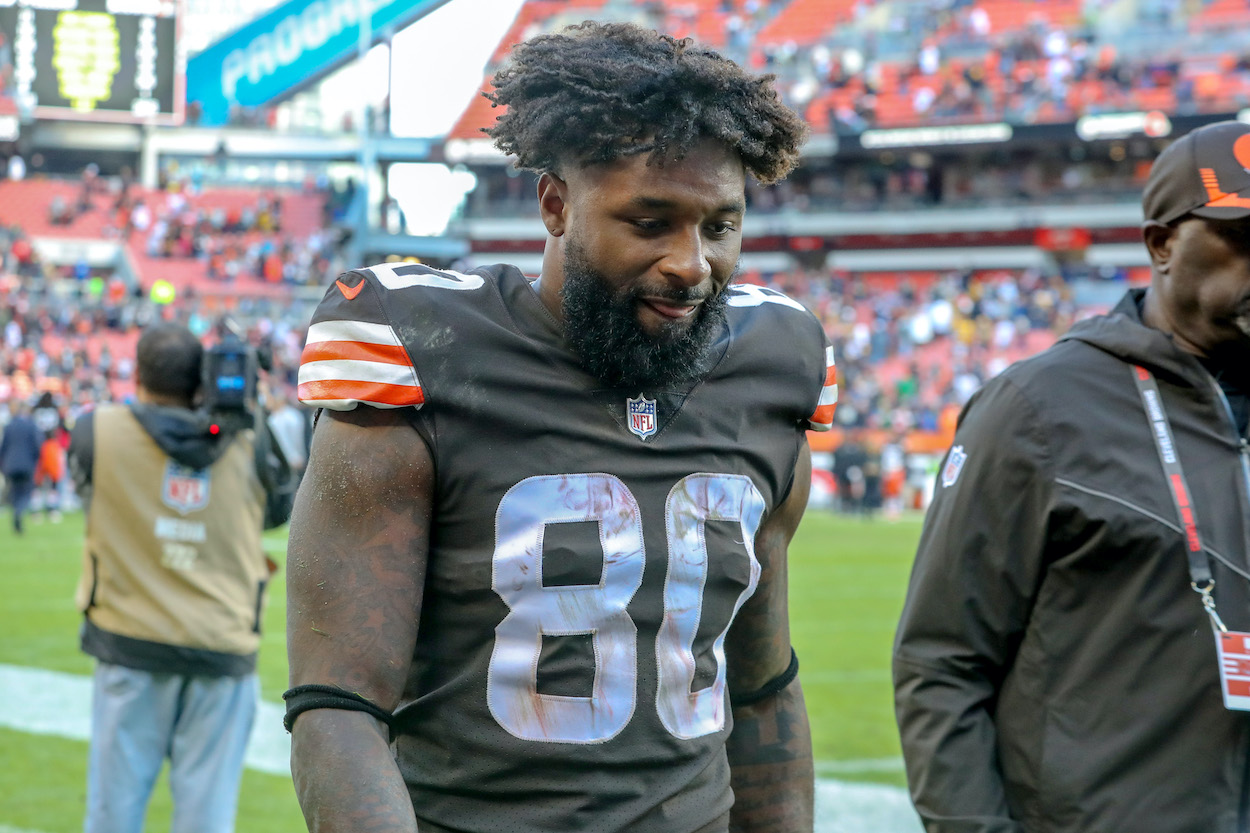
[[848, 578]]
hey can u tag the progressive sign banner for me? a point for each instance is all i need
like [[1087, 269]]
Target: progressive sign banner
[[286, 49]]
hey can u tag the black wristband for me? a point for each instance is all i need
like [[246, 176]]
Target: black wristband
[[770, 688], [304, 698]]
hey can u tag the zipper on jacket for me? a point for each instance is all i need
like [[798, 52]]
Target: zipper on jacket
[[1243, 445], [1243, 452]]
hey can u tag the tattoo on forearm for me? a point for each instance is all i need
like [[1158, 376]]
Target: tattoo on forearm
[[770, 757]]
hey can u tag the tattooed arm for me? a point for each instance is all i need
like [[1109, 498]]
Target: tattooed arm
[[355, 572], [770, 748]]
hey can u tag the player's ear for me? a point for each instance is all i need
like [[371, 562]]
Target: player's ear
[[553, 202], [1159, 239]]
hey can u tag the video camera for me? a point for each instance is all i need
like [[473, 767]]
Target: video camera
[[228, 382]]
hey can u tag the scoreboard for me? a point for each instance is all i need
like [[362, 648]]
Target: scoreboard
[[107, 60]]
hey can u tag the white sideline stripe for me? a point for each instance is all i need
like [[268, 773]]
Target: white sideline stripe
[[59, 704], [844, 807]]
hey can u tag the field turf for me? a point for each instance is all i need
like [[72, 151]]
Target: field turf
[[847, 582]]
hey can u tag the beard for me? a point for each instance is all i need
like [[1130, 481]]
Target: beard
[[601, 325]]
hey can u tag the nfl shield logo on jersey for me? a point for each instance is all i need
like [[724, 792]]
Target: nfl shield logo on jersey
[[185, 489], [954, 463], [641, 416]]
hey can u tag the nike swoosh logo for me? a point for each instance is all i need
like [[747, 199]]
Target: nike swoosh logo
[[350, 293]]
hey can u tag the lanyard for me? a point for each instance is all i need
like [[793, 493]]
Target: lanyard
[[1199, 567]]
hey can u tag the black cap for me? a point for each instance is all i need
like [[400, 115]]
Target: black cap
[[1205, 172]]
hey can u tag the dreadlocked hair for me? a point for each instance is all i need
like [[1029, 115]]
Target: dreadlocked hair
[[595, 93]]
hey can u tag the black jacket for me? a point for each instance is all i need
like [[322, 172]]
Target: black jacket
[[1053, 669]]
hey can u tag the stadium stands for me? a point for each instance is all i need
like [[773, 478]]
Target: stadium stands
[[891, 247], [853, 64], [183, 235], [804, 22]]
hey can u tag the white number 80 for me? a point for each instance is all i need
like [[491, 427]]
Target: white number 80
[[600, 609]]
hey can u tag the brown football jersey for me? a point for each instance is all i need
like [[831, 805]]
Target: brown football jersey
[[590, 548]]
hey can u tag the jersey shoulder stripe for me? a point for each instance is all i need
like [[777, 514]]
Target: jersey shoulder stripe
[[346, 362], [822, 418], [747, 296]]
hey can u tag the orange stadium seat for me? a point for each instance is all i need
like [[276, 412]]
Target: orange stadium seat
[[28, 204], [805, 21]]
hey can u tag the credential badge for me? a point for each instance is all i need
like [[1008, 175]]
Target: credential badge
[[185, 489], [954, 464], [641, 412]]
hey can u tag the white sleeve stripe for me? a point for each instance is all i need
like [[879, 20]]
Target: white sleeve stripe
[[352, 331], [349, 404], [829, 362], [828, 395], [357, 371]]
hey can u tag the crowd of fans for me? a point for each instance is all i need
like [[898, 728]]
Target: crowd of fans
[[891, 63], [241, 241], [72, 333], [67, 345], [911, 349], [234, 241], [900, 183]]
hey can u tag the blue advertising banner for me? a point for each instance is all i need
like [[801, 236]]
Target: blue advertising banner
[[287, 48]]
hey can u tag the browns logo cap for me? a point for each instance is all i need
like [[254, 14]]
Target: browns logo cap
[[1205, 172]]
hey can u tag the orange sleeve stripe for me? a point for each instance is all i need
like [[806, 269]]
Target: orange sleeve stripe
[[824, 415], [384, 394], [831, 375], [361, 351]]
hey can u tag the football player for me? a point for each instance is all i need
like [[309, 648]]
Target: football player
[[538, 562]]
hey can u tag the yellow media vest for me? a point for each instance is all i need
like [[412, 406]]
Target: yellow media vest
[[173, 568]]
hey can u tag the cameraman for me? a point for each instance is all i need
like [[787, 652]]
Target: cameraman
[[173, 589]]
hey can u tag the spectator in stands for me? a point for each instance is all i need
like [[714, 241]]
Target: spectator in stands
[[172, 591], [90, 185], [19, 457], [59, 212], [1053, 668], [6, 66]]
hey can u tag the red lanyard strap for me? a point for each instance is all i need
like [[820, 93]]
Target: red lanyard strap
[[1161, 432]]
